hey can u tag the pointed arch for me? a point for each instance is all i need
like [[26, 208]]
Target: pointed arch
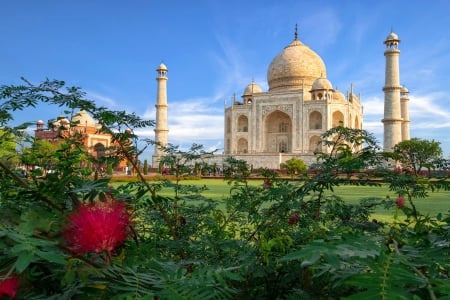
[[315, 120], [99, 150], [278, 132], [337, 119], [242, 124]]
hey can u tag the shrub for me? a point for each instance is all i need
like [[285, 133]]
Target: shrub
[[70, 236]]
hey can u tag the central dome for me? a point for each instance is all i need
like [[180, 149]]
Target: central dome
[[82, 118], [297, 66]]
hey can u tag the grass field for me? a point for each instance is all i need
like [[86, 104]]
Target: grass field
[[437, 202]]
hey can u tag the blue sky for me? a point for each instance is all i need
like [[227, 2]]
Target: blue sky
[[213, 49]]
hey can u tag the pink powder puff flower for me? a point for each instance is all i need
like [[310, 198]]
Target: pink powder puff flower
[[9, 287], [400, 201], [97, 227], [293, 219], [267, 184]]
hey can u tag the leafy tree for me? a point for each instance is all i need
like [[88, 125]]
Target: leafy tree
[[8, 153], [349, 150], [294, 166], [416, 154], [236, 171], [41, 154]]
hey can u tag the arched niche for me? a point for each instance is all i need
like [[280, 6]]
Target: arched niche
[[315, 120]]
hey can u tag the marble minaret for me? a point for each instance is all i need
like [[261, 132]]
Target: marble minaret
[[392, 107], [404, 99], [161, 129]]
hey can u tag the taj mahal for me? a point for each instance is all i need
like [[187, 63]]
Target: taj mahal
[[266, 128]]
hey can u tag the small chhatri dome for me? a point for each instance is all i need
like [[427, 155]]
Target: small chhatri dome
[[82, 118], [40, 122], [338, 95], [392, 40], [404, 90], [162, 67], [321, 84], [392, 36], [252, 88], [294, 67]]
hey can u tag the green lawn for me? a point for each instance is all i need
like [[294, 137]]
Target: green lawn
[[437, 202]]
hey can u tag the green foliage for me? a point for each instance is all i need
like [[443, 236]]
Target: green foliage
[[283, 239], [418, 154], [145, 167], [294, 166], [8, 152]]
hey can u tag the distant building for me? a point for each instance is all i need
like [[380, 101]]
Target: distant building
[[81, 123]]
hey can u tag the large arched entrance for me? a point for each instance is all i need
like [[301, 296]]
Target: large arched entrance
[[278, 132]]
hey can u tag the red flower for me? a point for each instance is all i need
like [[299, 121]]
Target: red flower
[[9, 286], [101, 226], [400, 201], [267, 184], [293, 219]]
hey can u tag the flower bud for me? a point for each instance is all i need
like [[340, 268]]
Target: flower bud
[[293, 219], [400, 201]]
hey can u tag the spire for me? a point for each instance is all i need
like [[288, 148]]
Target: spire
[[296, 33]]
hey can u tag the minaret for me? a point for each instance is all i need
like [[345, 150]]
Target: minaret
[[161, 129], [392, 109], [404, 99]]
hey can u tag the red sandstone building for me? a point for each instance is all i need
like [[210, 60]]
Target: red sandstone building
[[82, 124]]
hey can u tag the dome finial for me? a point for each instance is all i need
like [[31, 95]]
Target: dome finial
[[296, 33]]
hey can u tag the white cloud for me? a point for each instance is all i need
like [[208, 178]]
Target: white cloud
[[104, 100], [190, 121], [373, 106], [373, 127], [427, 107]]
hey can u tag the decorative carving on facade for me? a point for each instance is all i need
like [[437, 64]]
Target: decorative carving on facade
[[286, 108]]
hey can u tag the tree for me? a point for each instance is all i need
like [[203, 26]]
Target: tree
[[349, 150], [145, 171], [41, 154], [8, 152], [294, 166], [416, 154]]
